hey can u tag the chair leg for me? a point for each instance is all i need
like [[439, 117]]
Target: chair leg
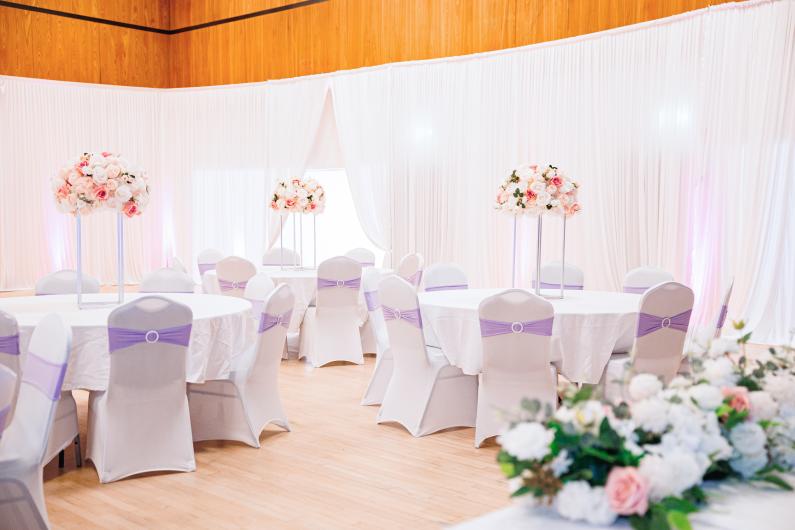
[[78, 452], [60, 460]]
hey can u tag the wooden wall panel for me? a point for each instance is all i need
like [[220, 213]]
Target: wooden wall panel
[[152, 13]]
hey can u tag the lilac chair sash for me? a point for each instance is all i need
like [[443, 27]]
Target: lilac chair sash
[[268, 321], [371, 299], [456, 287], [10, 344], [415, 278], [231, 286], [324, 283], [204, 267], [412, 316], [548, 285], [122, 337], [3, 416], [724, 310], [44, 375], [491, 328], [635, 290], [650, 323]]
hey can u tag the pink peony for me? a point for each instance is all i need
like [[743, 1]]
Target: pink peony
[[740, 400], [130, 209], [627, 491]]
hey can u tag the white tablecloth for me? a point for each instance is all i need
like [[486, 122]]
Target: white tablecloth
[[731, 507], [221, 330], [589, 326]]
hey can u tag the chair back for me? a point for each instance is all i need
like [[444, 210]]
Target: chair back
[[39, 390], [279, 256], [167, 281], [371, 279], [233, 275], [274, 320], [8, 385], [410, 268], [573, 276], [257, 290], [445, 277], [65, 282], [207, 259], [338, 282], [639, 280], [176, 263], [9, 342], [364, 256], [724, 309], [662, 328], [403, 319]]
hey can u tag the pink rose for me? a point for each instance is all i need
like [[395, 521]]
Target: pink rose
[[574, 208], [100, 193], [106, 153], [740, 400], [130, 209], [274, 205], [531, 195], [627, 491], [289, 203], [556, 181], [113, 171], [63, 192]]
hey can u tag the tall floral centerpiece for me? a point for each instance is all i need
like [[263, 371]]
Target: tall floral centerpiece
[[537, 190], [297, 197], [99, 182]]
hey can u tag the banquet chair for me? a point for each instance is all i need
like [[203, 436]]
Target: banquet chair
[[663, 321], [279, 256], [425, 393], [516, 330], [167, 281], [386, 262], [233, 274], [374, 331], [724, 310], [9, 358], [330, 330], [445, 277], [65, 282], [24, 443], [410, 269], [242, 405], [141, 423], [362, 255], [573, 276], [207, 260], [638, 281], [176, 264], [8, 386], [257, 290], [65, 430]]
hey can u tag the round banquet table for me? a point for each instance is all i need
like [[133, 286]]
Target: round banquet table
[[588, 327], [221, 330]]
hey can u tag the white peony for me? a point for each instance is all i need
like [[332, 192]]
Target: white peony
[[748, 438], [763, 406], [670, 473], [123, 193], [651, 415], [721, 345], [706, 396], [719, 372], [527, 441], [644, 386], [748, 464], [577, 501]]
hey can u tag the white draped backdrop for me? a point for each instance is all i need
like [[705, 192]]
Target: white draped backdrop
[[681, 131]]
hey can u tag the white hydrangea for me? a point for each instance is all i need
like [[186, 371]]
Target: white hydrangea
[[748, 464], [644, 386], [748, 438], [706, 396], [719, 372], [781, 387], [577, 501], [651, 415], [763, 406], [721, 345], [670, 473], [527, 441], [586, 416]]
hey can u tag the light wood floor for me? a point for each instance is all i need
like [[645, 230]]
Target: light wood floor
[[336, 469]]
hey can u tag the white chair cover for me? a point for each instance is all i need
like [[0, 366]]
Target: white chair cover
[[65, 282], [279, 256], [8, 386], [24, 443], [641, 279], [364, 256], [724, 309], [573, 276], [207, 259], [176, 264], [141, 422], [167, 281], [425, 393], [233, 274], [374, 332], [410, 269], [663, 321], [257, 290], [240, 407], [445, 277], [330, 331], [386, 262], [9, 356], [516, 358]]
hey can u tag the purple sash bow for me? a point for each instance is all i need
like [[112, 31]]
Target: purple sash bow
[[354, 283], [456, 287], [268, 321], [415, 278], [230, 286], [412, 316], [650, 323], [548, 285], [724, 310], [122, 337], [371, 299], [10, 344], [491, 328], [204, 267], [46, 376], [635, 290], [3, 416]]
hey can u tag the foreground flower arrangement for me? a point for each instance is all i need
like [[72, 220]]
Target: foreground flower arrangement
[[96, 181], [646, 458], [298, 196], [535, 190]]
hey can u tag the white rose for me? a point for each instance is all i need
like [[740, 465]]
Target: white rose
[[538, 186], [543, 198], [142, 200], [748, 438], [651, 415], [644, 386], [123, 193], [527, 441], [748, 464], [706, 396], [715, 447], [719, 372], [588, 416], [763, 407], [99, 176], [721, 345]]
